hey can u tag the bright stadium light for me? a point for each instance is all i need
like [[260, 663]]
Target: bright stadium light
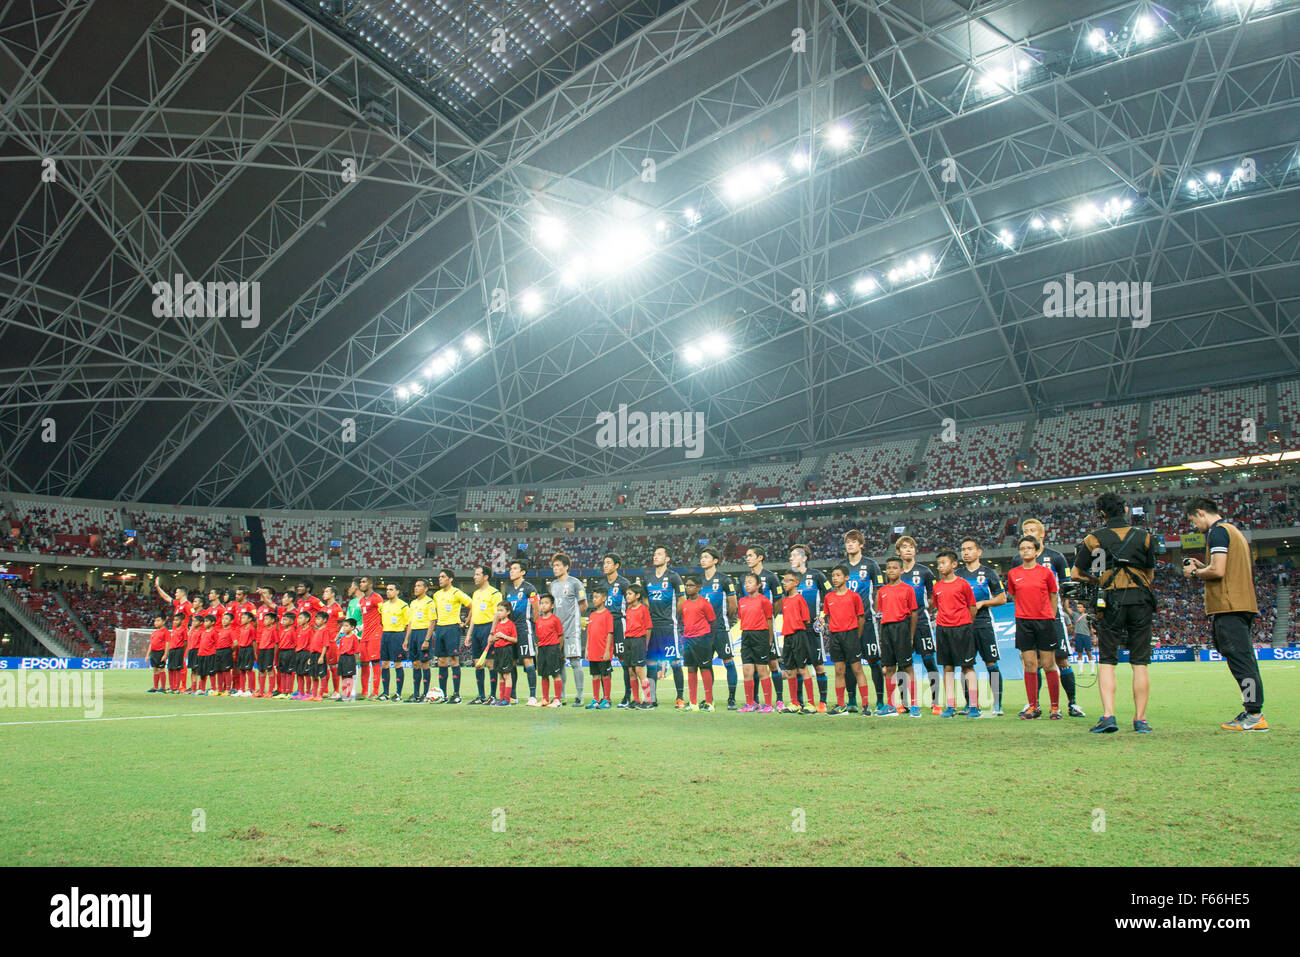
[[865, 285], [996, 80], [1213, 178], [1056, 224], [691, 215], [530, 301], [715, 345], [574, 271], [749, 182], [620, 247], [693, 354], [1036, 222], [1097, 40], [473, 343], [837, 136], [1144, 27], [1006, 239], [401, 392], [415, 388], [1085, 214], [799, 160], [550, 232], [830, 298]]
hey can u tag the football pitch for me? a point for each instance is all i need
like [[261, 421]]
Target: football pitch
[[181, 780]]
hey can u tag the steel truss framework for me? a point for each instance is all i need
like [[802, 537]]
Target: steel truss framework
[[201, 412]]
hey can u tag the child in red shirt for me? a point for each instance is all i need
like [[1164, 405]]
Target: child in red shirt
[[600, 627], [636, 626], [697, 628], [349, 645], [797, 655], [756, 642], [505, 641], [158, 652], [953, 601], [896, 602], [1033, 588], [176, 641], [550, 652]]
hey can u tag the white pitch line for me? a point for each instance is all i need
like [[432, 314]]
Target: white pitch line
[[147, 717]]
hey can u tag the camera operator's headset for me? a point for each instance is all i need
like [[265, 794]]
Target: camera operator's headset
[[1121, 560]]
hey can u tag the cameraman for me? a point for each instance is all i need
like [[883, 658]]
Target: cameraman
[[1230, 604], [1121, 559]]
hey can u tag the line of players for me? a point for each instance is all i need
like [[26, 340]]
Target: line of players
[[303, 644]]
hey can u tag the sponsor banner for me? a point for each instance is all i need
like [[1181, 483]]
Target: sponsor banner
[[1192, 540], [69, 664], [1168, 653], [1287, 653]]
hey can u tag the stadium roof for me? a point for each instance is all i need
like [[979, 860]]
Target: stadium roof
[[621, 213]]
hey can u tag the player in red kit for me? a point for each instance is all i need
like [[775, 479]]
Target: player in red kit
[[756, 643], [245, 653], [845, 617], [896, 603], [799, 646], [600, 631], [550, 652], [158, 652], [372, 632], [697, 617], [284, 657], [333, 620], [504, 642], [1033, 588], [225, 663], [176, 642], [953, 601], [268, 636]]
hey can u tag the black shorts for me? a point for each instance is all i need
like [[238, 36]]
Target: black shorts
[[302, 663], [699, 652], [616, 639], [265, 659], [755, 648], [633, 655], [986, 640], [550, 661], [955, 645], [479, 636], [1125, 626], [722, 642], [156, 658], [503, 659], [192, 659], [797, 651], [1062, 641], [1036, 634], [526, 647], [286, 660], [870, 642], [207, 666], [923, 640], [247, 657], [319, 667], [602, 668], [175, 659], [347, 666], [225, 659], [896, 644], [845, 646], [390, 646]]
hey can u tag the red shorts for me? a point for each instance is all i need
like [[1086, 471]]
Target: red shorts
[[369, 649], [331, 653]]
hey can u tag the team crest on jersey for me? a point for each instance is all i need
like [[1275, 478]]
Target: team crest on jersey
[[980, 578]]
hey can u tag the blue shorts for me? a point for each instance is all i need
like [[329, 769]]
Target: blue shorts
[[446, 641], [664, 645], [478, 638], [390, 646], [1083, 644]]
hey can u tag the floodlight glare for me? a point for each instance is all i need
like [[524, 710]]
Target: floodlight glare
[[473, 343], [531, 302], [1036, 222], [1096, 39], [1006, 239], [799, 160], [1085, 213], [693, 355], [550, 232], [837, 136], [620, 247], [401, 392], [415, 388], [715, 344], [830, 298], [864, 285], [574, 271], [1213, 178], [691, 215]]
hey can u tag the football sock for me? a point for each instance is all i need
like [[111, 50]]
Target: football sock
[[808, 686], [694, 680], [708, 685], [749, 691], [455, 680], [1054, 688], [852, 689], [767, 692], [478, 678], [936, 679], [442, 679], [878, 679], [401, 679], [794, 688], [559, 688], [677, 679], [634, 691], [546, 689], [1067, 682], [627, 682], [823, 683], [839, 695], [995, 684], [862, 690], [731, 679], [653, 685], [530, 671], [575, 665], [1031, 687], [334, 679], [645, 691], [493, 684], [384, 673], [608, 680]]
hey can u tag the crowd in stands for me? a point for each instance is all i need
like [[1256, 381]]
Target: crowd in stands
[[73, 529], [1189, 427], [43, 605], [172, 537], [1085, 441], [104, 610], [1180, 618]]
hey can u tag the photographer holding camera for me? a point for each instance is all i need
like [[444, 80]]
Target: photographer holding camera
[[1120, 558], [1230, 604]]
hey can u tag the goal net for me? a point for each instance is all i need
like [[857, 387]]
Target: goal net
[[130, 643]]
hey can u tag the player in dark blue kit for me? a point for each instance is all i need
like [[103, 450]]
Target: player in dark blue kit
[[923, 645], [987, 586], [813, 586], [769, 586], [1061, 568], [616, 587], [864, 577], [663, 587], [720, 591], [522, 599]]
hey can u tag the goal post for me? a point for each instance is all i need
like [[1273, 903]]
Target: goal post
[[130, 643]]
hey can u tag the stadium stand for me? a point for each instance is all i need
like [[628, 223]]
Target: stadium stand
[[295, 542], [1085, 441], [1208, 425], [387, 542], [172, 536], [671, 493], [68, 529], [489, 500], [44, 605], [867, 470], [980, 454], [583, 498], [103, 610], [1288, 407], [768, 483]]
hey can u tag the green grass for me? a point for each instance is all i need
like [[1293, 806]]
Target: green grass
[[372, 783]]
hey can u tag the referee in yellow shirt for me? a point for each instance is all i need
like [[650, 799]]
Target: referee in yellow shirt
[[395, 614], [446, 632], [482, 614], [419, 638]]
